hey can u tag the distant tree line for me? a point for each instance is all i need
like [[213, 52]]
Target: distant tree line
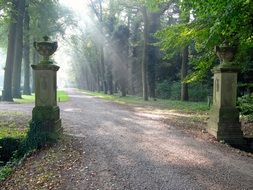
[[161, 48]]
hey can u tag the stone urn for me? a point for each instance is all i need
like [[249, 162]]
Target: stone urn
[[226, 54], [46, 48]]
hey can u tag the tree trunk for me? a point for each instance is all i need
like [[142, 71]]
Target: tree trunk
[[109, 78], [152, 53], [7, 88], [184, 68], [184, 18], [145, 56], [16, 91], [27, 72], [102, 60], [104, 85], [123, 88], [135, 74], [98, 78]]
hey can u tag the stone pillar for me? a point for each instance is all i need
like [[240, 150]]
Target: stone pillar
[[46, 113], [224, 121], [46, 109]]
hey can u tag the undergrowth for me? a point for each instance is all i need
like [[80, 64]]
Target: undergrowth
[[18, 142], [245, 106]]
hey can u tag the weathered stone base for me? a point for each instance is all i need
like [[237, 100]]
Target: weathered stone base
[[224, 125], [227, 132], [49, 115]]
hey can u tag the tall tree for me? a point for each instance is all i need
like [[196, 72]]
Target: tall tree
[[145, 55], [110, 25], [121, 37], [27, 88], [184, 68], [7, 88], [184, 18], [97, 7], [153, 52], [16, 91]]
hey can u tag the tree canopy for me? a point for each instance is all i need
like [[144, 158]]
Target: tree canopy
[[212, 23]]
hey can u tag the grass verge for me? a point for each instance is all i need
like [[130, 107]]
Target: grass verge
[[13, 125], [13, 129], [17, 140], [188, 107], [62, 96]]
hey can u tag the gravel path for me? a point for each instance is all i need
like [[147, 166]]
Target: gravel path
[[125, 148]]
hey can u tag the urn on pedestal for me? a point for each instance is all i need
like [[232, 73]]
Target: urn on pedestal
[[46, 113], [224, 121]]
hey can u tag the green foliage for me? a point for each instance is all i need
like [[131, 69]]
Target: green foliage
[[5, 172], [175, 91], [245, 106], [199, 91], [51, 14], [16, 143], [164, 90], [39, 135], [8, 146], [202, 64], [9, 130], [6, 9], [212, 23], [226, 20], [11, 138], [173, 39], [62, 96], [171, 90], [14, 149]]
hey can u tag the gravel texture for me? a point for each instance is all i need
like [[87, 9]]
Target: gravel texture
[[121, 147]]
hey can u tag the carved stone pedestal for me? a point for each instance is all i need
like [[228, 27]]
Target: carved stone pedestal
[[46, 109], [224, 117]]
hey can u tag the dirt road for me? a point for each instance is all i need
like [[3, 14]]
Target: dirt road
[[125, 148]]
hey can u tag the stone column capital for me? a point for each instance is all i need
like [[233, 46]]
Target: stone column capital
[[226, 69], [45, 67]]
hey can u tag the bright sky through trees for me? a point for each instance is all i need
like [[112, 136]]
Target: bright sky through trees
[[76, 5], [79, 8]]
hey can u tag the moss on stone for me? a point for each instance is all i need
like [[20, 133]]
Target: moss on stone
[[43, 113]]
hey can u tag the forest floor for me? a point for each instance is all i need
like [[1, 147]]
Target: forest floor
[[111, 146]]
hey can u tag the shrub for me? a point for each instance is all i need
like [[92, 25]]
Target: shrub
[[199, 91], [164, 89], [172, 90], [12, 150], [245, 106], [175, 91], [39, 135], [8, 146], [5, 172]]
